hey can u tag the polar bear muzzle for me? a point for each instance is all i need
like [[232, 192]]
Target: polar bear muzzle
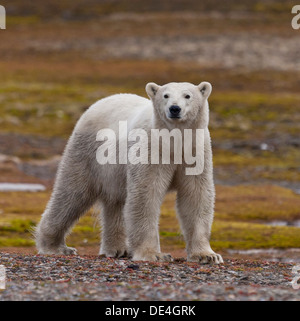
[[174, 111]]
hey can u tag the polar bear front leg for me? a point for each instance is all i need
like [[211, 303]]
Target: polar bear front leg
[[195, 207], [147, 186]]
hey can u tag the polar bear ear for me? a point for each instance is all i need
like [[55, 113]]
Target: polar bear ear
[[205, 89], [152, 89]]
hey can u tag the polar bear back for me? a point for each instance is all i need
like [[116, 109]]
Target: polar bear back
[[107, 112]]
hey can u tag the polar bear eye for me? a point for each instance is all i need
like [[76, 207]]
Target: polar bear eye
[[166, 96], [187, 96]]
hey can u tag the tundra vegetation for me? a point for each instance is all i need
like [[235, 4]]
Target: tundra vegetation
[[56, 60]]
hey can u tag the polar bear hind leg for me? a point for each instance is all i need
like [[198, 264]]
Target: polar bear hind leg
[[71, 198]]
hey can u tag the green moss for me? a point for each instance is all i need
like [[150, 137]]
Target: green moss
[[83, 229], [241, 235], [43, 108], [18, 225], [15, 242], [272, 7], [256, 203], [253, 116], [21, 20], [86, 232], [240, 211], [26, 205], [260, 164]]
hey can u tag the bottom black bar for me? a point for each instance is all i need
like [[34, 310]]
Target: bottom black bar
[[150, 310]]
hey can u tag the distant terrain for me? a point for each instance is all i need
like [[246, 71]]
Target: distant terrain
[[57, 58]]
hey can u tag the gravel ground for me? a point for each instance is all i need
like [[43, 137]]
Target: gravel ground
[[37, 277]]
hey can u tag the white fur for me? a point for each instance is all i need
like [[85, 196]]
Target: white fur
[[131, 195]]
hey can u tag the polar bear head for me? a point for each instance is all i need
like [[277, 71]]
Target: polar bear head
[[180, 103]]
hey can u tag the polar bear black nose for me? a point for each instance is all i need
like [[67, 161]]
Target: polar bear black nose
[[174, 110]]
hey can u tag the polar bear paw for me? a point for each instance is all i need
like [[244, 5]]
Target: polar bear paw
[[115, 253], [66, 250], [206, 258], [152, 256], [62, 250]]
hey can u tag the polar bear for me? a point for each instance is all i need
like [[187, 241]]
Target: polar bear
[[130, 195]]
